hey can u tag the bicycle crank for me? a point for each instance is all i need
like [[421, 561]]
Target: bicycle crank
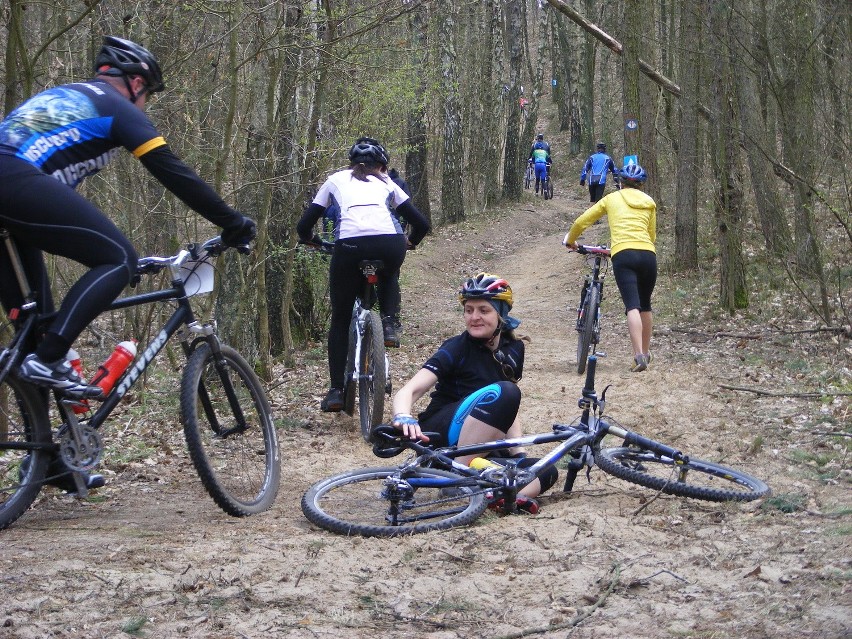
[[80, 447]]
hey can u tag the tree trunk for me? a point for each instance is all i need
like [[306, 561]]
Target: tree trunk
[[770, 209], [686, 212], [630, 79], [512, 173], [452, 176], [798, 135], [416, 160], [725, 160], [587, 87], [496, 105]]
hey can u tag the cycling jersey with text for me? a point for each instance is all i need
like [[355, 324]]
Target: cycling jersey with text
[[74, 130]]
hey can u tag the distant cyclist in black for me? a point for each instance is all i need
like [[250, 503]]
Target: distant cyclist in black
[[48, 145]]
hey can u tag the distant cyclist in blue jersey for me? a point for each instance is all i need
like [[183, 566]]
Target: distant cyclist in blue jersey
[[48, 145], [540, 159], [595, 170]]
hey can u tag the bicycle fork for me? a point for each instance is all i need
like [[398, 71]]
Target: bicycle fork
[[212, 340]]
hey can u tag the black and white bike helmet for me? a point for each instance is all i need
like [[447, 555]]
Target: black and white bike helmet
[[123, 57], [368, 150]]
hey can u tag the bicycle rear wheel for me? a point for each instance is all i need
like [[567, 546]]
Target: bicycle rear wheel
[[373, 376], [23, 421], [383, 502], [349, 382], [229, 431], [528, 177], [548, 188], [588, 316], [696, 478]]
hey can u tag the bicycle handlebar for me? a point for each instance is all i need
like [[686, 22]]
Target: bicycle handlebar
[[318, 244], [588, 249], [195, 252]]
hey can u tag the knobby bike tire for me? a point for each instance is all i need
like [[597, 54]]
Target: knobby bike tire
[[358, 503], [527, 178], [548, 189], [238, 461], [23, 420], [587, 329], [350, 384], [373, 376], [696, 478]]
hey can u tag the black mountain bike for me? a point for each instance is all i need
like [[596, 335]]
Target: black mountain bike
[[225, 413], [589, 310], [431, 491], [367, 372]]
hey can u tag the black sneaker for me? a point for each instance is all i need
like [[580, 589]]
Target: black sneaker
[[61, 477], [389, 328], [333, 401], [58, 375]]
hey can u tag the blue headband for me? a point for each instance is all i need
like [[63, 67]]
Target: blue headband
[[502, 308]]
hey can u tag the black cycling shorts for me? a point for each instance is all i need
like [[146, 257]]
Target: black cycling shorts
[[636, 275]]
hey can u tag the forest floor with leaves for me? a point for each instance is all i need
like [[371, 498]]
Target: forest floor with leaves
[[151, 555]]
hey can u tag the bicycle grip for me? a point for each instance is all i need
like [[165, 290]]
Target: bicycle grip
[[654, 446]]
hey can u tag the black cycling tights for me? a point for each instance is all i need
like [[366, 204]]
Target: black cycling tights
[[44, 215], [345, 282]]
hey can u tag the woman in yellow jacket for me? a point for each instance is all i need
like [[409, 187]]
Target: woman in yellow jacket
[[632, 216]]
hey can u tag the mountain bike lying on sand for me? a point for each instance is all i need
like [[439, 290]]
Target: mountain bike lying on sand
[[431, 491], [226, 418]]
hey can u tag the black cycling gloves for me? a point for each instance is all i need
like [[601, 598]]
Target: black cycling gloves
[[240, 234]]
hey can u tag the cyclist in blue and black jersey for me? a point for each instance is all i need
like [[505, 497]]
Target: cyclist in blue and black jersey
[[540, 159], [48, 145], [595, 170]]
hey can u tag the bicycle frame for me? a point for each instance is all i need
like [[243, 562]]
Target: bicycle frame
[[588, 433], [182, 316]]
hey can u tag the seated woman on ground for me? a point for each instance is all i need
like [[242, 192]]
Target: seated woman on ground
[[475, 376]]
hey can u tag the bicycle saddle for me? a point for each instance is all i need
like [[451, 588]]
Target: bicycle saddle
[[387, 441]]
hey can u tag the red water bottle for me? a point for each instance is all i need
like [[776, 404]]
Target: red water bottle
[[114, 367], [72, 357]]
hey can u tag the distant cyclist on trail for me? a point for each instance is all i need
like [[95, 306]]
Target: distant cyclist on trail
[[540, 159], [48, 145], [595, 170], [367, 229], [632, 217]]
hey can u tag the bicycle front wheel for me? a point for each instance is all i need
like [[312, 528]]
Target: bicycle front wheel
[[696, 478], [229, 431], [587, 327], [373, 376], [528, 178], [548, 189], [383, 502], [24, 424]]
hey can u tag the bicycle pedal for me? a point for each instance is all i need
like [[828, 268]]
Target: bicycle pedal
[[600, 354]]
